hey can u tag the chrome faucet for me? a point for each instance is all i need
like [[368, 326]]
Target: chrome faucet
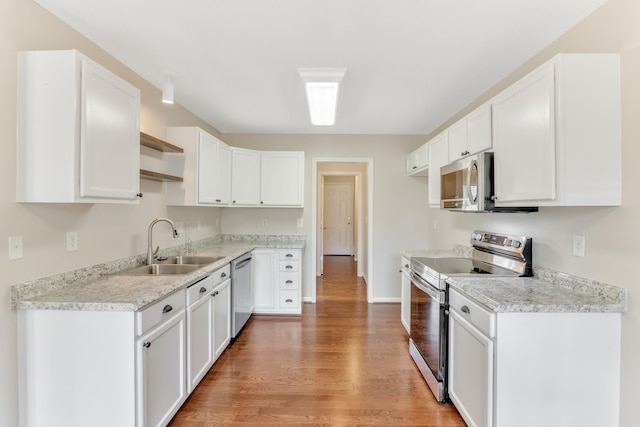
[[150, 253]]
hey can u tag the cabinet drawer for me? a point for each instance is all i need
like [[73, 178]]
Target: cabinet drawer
[[473, 312], [221, 274], [289, 299], [289, 280], [159, 311], [199, 290], [289, 266], [289, 254]]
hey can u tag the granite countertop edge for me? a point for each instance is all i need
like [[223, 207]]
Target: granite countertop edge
[[104, 287]]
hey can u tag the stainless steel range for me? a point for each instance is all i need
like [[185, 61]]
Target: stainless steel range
[[493, 253]]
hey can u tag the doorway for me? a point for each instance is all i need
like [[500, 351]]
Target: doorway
[[329, 174]]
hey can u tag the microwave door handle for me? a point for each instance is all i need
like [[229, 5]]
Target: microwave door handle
[[469, 195]]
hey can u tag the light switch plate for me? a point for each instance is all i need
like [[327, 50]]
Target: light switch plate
[[15, 247], [72, 241], [578, 246]]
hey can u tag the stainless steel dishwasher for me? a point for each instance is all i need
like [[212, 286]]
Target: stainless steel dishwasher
[[241, 293]]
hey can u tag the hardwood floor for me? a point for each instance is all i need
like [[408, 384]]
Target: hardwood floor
[[344, 362]]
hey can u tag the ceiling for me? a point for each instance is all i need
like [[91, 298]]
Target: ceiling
[[411, 64]]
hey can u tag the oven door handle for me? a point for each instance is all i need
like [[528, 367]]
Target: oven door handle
[[425, 287]]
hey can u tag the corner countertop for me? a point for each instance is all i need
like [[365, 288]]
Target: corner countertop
[[105, 288], [549, 291]]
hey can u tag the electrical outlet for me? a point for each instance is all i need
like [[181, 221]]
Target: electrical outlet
[[198, 225], [578, 246], [15, 247], [300, 223], [265, 222], [217, 223], [72, 241]]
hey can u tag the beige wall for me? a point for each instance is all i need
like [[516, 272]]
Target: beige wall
[[612, 233]]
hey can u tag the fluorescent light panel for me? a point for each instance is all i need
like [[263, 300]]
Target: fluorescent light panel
[[322, 90]]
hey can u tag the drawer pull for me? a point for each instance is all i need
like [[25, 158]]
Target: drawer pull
[[203, 290], [167, 308], [289, 300], [289, 255], [289, 266], [146, 344], [223, 275], [465, 309], [289, 281]]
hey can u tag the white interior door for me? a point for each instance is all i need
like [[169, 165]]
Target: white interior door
[[338, 218]]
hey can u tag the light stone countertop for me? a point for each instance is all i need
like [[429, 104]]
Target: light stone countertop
[[104, 288], [548, 291]]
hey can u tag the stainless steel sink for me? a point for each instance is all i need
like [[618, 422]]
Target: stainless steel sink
[[191, 259], [161, 269]]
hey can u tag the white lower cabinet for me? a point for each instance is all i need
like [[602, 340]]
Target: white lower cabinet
[[161, 366], [208, 323], [277, 281], [533, 369], [121, 368], [405, 292]]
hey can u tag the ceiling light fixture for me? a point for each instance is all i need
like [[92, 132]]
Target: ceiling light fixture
[[322, 87], [167, 89]]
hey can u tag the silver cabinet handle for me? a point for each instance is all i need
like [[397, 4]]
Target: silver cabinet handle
[[465, 309]]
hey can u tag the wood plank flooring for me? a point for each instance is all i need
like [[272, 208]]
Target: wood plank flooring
[[344, 362]]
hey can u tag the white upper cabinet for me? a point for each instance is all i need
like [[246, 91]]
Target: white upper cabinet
[[470, 135], [78, 131], [418, 161], [245, 177], [438, 157], [282, 179], [204, 166], [557, 135]]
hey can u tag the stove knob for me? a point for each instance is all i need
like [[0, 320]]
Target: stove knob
[[516, 244]]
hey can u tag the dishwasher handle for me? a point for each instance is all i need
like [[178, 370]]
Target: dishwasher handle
[[243, 263]]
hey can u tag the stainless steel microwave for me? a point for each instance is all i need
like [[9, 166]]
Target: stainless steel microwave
[[467, 186]]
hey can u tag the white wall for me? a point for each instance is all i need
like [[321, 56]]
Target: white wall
[[612, 233]]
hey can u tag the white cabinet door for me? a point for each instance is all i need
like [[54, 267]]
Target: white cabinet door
[[405, 294], [438, 157], [78, 131], [200, 324], [221, 298], [207, 170], [457, 141], [245, 177], [109, 135], [418, 161], [264, 267], [470, 372], [479, 130], [282, 178], [524, 139], [161, 372]]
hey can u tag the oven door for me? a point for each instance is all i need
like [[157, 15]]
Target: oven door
[[429, 333]]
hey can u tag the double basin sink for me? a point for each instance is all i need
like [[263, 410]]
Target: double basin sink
[[183, 264]]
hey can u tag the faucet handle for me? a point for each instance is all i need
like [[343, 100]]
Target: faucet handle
[[155, 253]]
